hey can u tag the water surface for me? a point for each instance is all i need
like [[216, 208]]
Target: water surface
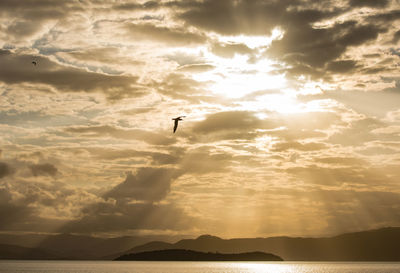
[[8, 266]]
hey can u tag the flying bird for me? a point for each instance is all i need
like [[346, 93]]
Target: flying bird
[[34, 63], [176, 122]]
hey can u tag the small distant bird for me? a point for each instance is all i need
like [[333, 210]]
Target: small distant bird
[[34, 63], [176, 122]]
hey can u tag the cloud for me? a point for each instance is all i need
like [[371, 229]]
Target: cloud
[[396, 37], [202, 161], [369, 3], [43, 169], [121, 133], [196, 68], [27, 20], [5, 169], [17, 68], [349, 161], [337, 176], [147, 184], [247, 17], [238, 121], [308, 49], [9, 212], [181, 87], [343, 66], [228, 50], [100, 57], [367, 103], [171, 36], [119, 212], [246, 125], [36, 9], [34, 206], [360, 132], [149, 5], [169, 157], [294, 145], [122, 216]]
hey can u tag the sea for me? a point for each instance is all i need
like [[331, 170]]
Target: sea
[[17, 266]]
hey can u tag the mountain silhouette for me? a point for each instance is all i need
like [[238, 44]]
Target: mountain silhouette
[[374, 245], [12, 252], [74, 247]]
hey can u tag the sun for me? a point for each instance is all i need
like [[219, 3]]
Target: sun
[[237, 77], [251, 80]]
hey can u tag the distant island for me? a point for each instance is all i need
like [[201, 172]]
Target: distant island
[[190, 255]]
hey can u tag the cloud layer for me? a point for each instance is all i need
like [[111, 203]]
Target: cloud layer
[[292, 107]]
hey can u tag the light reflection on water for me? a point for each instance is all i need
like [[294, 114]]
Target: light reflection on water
[[193, 267]]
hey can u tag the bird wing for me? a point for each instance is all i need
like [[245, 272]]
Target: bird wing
[[176, 125]]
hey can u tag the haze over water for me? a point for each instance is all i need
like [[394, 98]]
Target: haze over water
[[194, 267]]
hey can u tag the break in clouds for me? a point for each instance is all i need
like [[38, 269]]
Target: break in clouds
[[292, 120]]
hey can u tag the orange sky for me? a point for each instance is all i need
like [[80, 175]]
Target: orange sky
[[292, 120]]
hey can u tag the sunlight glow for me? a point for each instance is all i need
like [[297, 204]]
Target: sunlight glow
[[237, 77], [253, 41]]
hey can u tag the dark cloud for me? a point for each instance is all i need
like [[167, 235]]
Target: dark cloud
[[342, 66], [23, 28], [147, 184], [229, 121], [396, 37], [43, 169], [149, 5], [108, 56], [18, 68], [178, 86], [228, 50], [248, 17], [309, 50], [22, 203], [32, 7], [196, 68], [121, 133], [172, 36], [369, 3], [5, 169], [119, 212], [306, 49], [184, 58], [9, 211], [245, 125], [29, 16], [385, 17]]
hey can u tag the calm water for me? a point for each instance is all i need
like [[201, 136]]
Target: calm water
[[193, 267]]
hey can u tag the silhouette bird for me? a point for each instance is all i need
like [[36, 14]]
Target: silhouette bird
[[176, 122], [34, 63]]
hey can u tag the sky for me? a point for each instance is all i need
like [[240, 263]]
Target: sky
[[292, 120]]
